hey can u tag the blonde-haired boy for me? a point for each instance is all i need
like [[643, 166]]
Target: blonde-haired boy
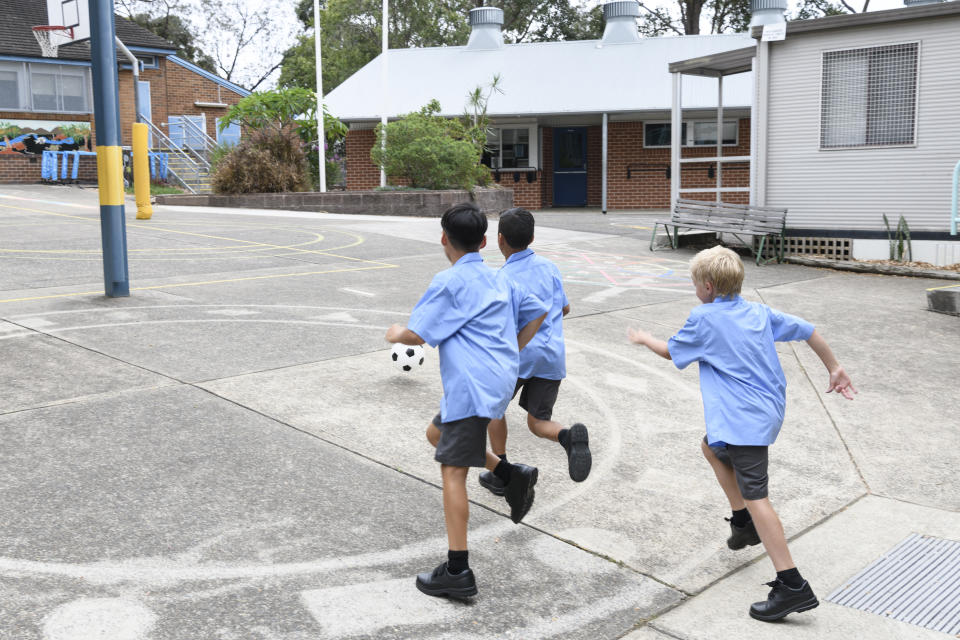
[[744, 396]]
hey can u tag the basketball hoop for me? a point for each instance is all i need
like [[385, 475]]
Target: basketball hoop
[[48, 37]]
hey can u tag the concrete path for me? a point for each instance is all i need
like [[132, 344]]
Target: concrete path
[[229, 453]]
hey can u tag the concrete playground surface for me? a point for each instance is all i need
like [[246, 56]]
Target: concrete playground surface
[[229, 453]]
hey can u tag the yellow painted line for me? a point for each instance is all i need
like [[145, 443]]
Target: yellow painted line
[[946, 286], [207, 282], [110, 175]]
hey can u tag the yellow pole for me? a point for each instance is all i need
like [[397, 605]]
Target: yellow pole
[[141, 171]]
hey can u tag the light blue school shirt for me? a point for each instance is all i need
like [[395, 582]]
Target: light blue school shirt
[[545, 355], [742, 383], [472, 313]]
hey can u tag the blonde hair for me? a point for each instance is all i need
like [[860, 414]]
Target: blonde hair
[[719, 266]]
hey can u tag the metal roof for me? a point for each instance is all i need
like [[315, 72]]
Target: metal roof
[[719, 64], [550, 78], [870, 18]]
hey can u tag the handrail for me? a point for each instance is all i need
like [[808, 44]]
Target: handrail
[[173, 149], [208, 143], [954, 217]]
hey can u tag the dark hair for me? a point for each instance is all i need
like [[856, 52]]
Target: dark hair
[[516, 225], [465, 226]]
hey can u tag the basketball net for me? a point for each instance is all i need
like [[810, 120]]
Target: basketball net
[[49, 38]]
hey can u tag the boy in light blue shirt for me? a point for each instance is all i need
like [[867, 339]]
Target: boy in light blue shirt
[[479, 321], [744, 396], [543, 361]]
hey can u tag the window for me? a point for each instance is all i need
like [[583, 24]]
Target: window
[[869, 96], [509, 148], [693, 134], [59, 88], [10, 86], [148, 62]]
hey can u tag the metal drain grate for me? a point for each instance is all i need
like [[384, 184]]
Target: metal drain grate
[[918, 582]]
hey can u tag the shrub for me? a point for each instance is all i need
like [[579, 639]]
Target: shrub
[[430, 151], [269, 161]]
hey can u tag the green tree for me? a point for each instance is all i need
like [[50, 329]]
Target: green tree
[[430, 151], [173, 29], [820, 8]]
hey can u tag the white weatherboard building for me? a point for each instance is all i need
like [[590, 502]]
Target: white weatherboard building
[[857, 116]]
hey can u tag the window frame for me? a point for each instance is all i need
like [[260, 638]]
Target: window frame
[[690, 125], [916, 102], [57, 70], [17, 68], [533, 141]]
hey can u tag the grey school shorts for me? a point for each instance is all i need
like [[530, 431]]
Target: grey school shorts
[[463, 443], [749, 464], [538, 396]]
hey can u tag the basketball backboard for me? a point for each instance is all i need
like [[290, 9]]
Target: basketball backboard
[[70, 13]]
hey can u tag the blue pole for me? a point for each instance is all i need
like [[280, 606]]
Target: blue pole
[[953, 209], [106, 108]]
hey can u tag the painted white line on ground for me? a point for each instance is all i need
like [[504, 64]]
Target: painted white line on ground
[[358, 292], [55, 202], [208, 306], [363, 609], [99, 619]]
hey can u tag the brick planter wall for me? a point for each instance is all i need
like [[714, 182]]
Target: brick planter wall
[[395, 203], [16, 168]]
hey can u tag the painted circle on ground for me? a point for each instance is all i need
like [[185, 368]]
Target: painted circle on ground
[[99, 619]]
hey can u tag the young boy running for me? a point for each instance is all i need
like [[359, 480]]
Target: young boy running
[[543, 361], [479, 321], [744, 396]]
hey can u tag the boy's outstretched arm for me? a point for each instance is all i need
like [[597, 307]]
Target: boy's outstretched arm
[[839, 380], [526, 334], [399, 333], [659, 347]]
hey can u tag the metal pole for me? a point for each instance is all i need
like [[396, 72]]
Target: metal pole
[[719, 137], [135, 64], [383, 88], [603, 204], [321, 136], [676, 126], [753, 132], [106, 107]]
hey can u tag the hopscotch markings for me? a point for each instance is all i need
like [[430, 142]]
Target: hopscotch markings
[[604, 294], [362, 609], [366, 294], [618, 271]]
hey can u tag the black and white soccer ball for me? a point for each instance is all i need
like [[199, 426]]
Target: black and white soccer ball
[[407, 357]]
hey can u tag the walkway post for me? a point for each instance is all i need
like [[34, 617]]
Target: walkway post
[[719, 137], [383, 89], [603, 204], [321, 136], [676, 127], [106, 107]]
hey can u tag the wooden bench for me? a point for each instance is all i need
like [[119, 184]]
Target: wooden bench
[[735, 219]]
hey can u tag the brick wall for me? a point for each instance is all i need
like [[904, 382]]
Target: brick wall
[[647, 188], [17, 168], [526, 194]]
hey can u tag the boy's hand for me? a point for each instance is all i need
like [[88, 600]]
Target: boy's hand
[[395, 333], [840, 382], [639, 336]]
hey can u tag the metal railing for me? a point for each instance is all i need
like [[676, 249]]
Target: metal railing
[[196, 133], [954, 214], [177, 151]]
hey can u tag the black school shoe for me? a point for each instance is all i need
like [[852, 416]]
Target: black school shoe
[[783, 600], [579, 459], [740, 537], [519, 492], [492, 483], [440, 582]]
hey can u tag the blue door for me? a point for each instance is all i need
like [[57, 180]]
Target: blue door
[[146, 111], [230, 134], [570, 167]]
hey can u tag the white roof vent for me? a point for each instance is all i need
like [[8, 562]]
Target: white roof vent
[[485, 23], [621, 22], [764, 12]]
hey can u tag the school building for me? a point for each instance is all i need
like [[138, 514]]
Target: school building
[[45, 101], [570, 113]]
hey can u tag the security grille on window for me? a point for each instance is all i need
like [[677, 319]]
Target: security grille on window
[[869, 96], [507, 148]]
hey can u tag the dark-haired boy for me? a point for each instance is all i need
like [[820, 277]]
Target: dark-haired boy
[[479, 321], [543, 361]]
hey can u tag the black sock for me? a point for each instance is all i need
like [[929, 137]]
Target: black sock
[[503, 470], [502, 457], [740, 518], [457, 561], [791, 578], [564, 437]]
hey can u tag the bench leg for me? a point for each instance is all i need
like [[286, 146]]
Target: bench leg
[[675, 242], [653, 237], [760, 259]]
